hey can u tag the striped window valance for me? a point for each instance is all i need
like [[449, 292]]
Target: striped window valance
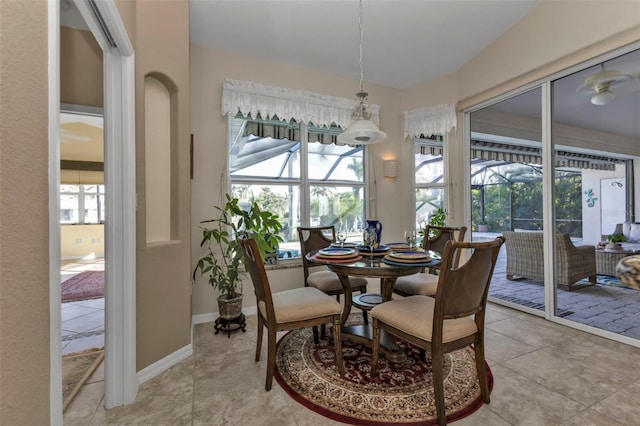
[[251, 98], [483, 150], [435, 120], [430, 145], [282, 130]]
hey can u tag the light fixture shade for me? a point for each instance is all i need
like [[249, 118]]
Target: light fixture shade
[[362, 132], [602, 98], [390, 168]]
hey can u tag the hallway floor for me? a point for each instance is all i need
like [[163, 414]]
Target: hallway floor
[[82, 321]]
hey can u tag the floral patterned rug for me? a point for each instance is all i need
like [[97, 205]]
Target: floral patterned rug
[[403, 396]]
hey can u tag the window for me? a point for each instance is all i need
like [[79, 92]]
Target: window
[[429, 178], [299, 172], [81, 204]]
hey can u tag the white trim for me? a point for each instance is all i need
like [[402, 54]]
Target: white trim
[[165, 363], [55, 325], [121, 383], [211, 317], [548, 203]]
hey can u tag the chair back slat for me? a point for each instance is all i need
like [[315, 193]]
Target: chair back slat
[[443, 234], [463, 290], [255, 267], [314, 238]]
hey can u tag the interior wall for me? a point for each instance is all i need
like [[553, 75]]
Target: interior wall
[[161, 41], [24, 214], [81, 71], [80, 241]]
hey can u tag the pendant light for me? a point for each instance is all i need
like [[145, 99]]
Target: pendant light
[[361, 131]]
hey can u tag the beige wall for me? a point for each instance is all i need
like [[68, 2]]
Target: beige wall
[[80, 68], [78, 241], [24, 218], [161, 42]]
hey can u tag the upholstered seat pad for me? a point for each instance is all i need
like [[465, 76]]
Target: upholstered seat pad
[[423, 284], [414, 316], [328, 281], [300, 304]]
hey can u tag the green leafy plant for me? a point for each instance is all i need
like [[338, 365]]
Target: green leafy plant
[[225, 268], [616, 238], [437, 219]]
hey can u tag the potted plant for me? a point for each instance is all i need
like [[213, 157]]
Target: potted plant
[[614, 239], [225, 265], [483, 226]]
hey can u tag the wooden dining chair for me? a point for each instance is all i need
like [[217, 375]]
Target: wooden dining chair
[[426, 283], [453, 320], [316, 238], [288, 310]]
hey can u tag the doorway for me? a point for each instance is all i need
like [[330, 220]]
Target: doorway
[[103, 19]]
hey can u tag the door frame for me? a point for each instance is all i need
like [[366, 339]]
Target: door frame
[[121, 382]]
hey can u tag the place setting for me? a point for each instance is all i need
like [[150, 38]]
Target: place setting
[[417, 257], [336, 255]]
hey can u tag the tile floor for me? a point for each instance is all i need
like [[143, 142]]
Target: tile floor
[[544, 373]]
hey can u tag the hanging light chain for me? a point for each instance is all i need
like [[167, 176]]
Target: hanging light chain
[[361, 38]]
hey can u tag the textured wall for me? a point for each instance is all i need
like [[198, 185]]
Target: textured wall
[[24, 204], [80, 68], [161, 42]]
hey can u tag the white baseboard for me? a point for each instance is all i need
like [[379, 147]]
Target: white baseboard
[[165, 363], [211, 317]]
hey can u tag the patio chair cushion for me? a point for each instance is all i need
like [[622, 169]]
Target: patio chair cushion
[[301, 304]]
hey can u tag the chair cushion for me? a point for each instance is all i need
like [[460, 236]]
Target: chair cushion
[[300, 304], [328, 281], [423, 284], [414, 316]]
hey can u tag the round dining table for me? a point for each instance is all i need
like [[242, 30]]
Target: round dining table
[[388, 272]]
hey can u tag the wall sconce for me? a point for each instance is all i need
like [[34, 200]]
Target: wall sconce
[[390, 168]]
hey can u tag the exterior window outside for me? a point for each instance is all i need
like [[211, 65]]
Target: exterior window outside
[[81, 204], [429, 179], [297, 171]]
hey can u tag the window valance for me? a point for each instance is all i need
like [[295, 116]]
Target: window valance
[[248, 97], [435, 120]]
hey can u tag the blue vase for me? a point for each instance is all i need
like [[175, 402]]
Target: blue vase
[[376, 225]]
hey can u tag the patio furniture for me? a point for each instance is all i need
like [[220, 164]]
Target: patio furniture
[[525, 258], [288, 310], [607, 260], [451, 321]]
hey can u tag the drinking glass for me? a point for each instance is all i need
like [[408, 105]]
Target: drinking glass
[[342, 237], [368, 239], [410, 238]]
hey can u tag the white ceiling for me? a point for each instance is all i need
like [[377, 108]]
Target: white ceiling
[[405, 41]]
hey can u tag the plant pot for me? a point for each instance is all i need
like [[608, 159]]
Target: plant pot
[[613, 246], [483, 228], [229, 308]]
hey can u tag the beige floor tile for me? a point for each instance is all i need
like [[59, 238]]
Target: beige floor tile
[[623, 406], [85, 405], [521, 401], [576, 380], [483, 417], [500, 348], [590, 417], [533, 331]]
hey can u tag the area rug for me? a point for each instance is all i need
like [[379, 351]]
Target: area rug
[[86, 285], [401, 396], [76, 369]]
